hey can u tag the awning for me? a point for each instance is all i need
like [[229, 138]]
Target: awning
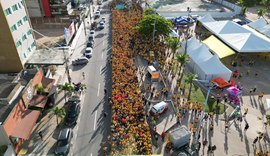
[[218, 47], [38, 101], [25, 125]]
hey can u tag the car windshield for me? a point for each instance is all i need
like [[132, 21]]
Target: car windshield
[[92, 32], [154, 110], [61, 143]]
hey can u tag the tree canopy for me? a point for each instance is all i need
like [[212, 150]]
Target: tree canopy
[[146, 25]]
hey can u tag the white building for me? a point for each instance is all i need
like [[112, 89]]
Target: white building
[[16, 39]]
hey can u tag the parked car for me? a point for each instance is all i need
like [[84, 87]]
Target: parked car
[[159, 108], [73, 113], [63, 142], [88, 52], [91, 35], [90, 44], [97, 14], [103, 20], [102, 25], [80, 61]]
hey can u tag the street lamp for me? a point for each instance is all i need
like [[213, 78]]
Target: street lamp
[[195, 143]]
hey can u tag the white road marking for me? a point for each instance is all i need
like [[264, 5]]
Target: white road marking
[[98, 89], [91, 154], [95, 120], [100, 69], [102, 55]]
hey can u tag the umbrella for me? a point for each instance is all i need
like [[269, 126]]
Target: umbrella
[[234, 91]]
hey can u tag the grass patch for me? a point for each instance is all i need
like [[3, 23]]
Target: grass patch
[[197, 95]]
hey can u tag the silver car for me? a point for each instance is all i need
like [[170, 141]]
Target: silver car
[[63, 142]]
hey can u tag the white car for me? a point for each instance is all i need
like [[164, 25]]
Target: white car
[[88, 52], [91, 35], [97, 14], [102, 20], [159, 108], [102, 25]]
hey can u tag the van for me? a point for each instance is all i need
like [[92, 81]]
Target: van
[[159, 108]]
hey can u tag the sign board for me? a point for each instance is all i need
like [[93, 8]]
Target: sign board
[[69, 32], [28, 93], [120, 6], [155, 75]]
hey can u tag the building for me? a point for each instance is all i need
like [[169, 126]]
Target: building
[[16, 40], [18, 118], [47, 8]]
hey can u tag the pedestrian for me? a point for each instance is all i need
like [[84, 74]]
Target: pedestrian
[[226, 125], [83, 75], [156, 137], [254, 89], [105, 91], [40, 135], [260, 96], [105, 114], [246, 127], [163, 135], [246, 111], [248, 71], [261, 136], [255, 140]]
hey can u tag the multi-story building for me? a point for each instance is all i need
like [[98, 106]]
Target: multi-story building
[[16, 39]]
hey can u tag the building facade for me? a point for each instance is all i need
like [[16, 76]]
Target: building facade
[[16, 38]]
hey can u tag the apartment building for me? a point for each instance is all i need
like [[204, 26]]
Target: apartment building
[[16, 39]]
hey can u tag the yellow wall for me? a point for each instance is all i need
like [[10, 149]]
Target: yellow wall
[[9, 58]]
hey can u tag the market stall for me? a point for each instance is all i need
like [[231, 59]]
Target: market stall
[[234, 92]]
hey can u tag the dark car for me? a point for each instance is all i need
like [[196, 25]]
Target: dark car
[[73, 113], [90, 44], [80, 61], [63, 142]]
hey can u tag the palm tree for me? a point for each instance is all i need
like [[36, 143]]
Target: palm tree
[[261, 12], [59, 113], [182, 59], [189, 79], [67, 88], [173, 43]]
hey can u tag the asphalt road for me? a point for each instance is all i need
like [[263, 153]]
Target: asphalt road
[[93, 128]]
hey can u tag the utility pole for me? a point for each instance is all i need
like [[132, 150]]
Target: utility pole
[[154, 31], [65, 58]]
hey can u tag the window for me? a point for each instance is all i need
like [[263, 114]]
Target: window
[[24, 55], [14, 7], [19, 23], [33, 45], [24, 37], [28, 50], [19, 5], [29, 32], [25, 18], [18, 43], [8, 11], [13, 28]]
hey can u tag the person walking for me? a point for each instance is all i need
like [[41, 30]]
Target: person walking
[[246, 111], [40, 135], [83, 75], [105, 114], [163, 135], [246, 127], [255, 141], [105, 91]]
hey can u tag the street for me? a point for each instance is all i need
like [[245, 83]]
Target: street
[[92, 128]]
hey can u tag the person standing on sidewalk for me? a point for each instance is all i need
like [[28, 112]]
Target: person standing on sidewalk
[[163, 135], [83, 75], [40, 135], [246, 127]]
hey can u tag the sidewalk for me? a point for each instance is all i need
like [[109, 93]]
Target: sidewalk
[[47, 124]]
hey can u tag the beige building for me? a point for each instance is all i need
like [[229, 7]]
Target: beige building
[[16, 39]]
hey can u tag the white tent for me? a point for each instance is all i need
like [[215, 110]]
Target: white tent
[[197, 56], [213, 68], [265, 30], [259, 23], [267, 105], [239, 38], [192, 44], [206, 18]]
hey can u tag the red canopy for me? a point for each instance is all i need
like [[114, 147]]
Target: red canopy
[[220, 82]]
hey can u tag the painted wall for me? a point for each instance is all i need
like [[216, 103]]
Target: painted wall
[[34, 8]]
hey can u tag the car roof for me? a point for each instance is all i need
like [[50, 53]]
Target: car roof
[[158, 105], [83, 58], [64, 133], [88, 49]]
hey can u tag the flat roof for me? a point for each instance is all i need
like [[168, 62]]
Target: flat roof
[[52, 56]]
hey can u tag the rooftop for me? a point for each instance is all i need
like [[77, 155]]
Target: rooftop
[[52, 56]]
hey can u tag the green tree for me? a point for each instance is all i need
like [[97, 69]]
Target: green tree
[[266, 3], [149, 11], [67, 88], [189, 79], [146, 25], [182, 59], [261, 12], [173, 43], [59, 113], [249, 3]]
